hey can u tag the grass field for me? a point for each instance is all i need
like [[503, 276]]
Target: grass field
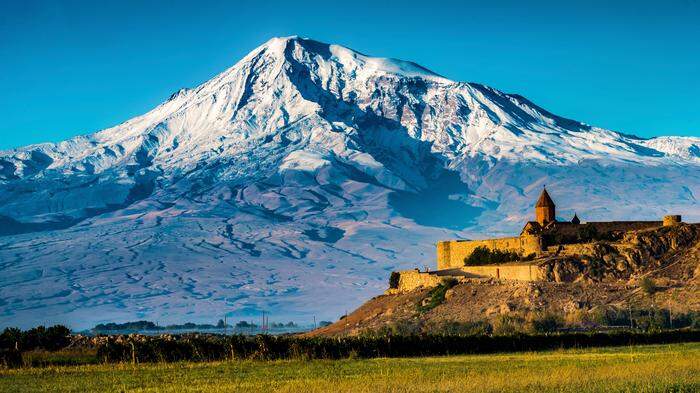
[[654, 368]]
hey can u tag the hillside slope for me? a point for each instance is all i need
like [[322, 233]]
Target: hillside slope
[[670, 257]]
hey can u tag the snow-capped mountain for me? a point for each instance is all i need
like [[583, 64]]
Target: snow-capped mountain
[[293, 182]]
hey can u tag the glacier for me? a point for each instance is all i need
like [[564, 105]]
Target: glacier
[[294, 182]]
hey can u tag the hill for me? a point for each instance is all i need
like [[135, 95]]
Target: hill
[[597, 290]]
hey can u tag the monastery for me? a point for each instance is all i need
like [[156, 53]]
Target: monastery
[[545, 237]]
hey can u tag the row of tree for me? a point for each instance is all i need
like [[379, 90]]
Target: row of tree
[[142, 326], [47, 338], [210, 347], [265, 347]]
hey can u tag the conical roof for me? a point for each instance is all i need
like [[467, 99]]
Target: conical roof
[[544, 200]]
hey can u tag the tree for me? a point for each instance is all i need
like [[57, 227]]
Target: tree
[[394, 280]]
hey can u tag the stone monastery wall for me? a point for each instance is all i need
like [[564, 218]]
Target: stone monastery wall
[[451, 254], [521, 272], [411, 279], [566, 228], [624, 226]]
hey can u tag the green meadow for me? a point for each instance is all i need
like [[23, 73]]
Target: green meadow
[[652, 368]]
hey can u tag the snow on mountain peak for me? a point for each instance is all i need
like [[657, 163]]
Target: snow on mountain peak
[[291, 79]]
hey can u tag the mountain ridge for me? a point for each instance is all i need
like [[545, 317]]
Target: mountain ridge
[[274, 46], [305, 170]]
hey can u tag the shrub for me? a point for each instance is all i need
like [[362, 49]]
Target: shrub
[[398, 328], [450, 282], [528, 257], [611, 316], [645, 319], [648, 285], [695, 321], [587, 233], [454, 328], [394, 280], [579, 318], [651, 320], [484, 256], [10, 358], [436, 296], [507, 325], [545, 323]]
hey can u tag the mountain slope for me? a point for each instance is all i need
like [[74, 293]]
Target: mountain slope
[[294, 181]]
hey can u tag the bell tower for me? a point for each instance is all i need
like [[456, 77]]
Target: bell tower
[[545, 211]]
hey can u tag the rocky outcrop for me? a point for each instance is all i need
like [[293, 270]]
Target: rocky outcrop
[[658, 242], [637, 253]]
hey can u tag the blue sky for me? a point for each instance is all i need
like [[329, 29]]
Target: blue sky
[[74, 67]]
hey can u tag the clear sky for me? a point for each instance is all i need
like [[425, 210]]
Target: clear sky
[[74, 67]]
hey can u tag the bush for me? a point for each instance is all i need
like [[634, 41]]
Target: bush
[[645, 319], [10, 358], [394, 280], [454, 328], [648, 285], [610, 317], [484, 256], [507, 325], [436, 296], [528, 257], [695, 321], [587, 233], [398, 328], [545, 323]]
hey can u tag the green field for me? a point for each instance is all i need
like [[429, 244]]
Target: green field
[[653, 368]]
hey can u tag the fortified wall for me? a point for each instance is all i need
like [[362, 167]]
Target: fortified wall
[[452, 253], [516, 271], [600, 228], [412, 279]]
